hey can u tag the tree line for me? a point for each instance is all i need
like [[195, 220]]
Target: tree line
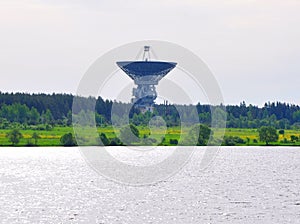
[[56, 109]]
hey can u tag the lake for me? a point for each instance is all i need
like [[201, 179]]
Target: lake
[[242, 185]]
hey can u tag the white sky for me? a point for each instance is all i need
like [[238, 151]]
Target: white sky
[[252, 47]]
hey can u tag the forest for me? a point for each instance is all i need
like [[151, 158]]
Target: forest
[[48, 119], [56, 109]]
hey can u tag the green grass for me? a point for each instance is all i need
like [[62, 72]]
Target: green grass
[[48, 138], [253, 134], [52, 137]]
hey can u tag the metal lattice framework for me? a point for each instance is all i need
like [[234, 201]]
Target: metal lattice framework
[[146, 75]]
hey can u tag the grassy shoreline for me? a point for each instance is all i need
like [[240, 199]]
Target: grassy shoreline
[[52, 137]]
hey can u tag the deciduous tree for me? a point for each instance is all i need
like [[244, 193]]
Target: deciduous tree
[[14, 136], [267, 134]]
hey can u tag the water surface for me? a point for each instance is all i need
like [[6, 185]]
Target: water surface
[[243, 185]]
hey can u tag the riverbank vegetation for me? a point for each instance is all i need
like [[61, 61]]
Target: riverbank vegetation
[[46, 120], [173, 136]]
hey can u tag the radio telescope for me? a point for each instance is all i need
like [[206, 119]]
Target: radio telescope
[[146, 74]]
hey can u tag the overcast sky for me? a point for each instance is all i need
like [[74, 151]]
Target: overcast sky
[[251, 46]]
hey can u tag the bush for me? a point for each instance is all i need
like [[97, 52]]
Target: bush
[[173, 141], [68, 140], [14, 136], [115, 142], [199, 135], [294, 138], [104, 139], [233, 140]]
